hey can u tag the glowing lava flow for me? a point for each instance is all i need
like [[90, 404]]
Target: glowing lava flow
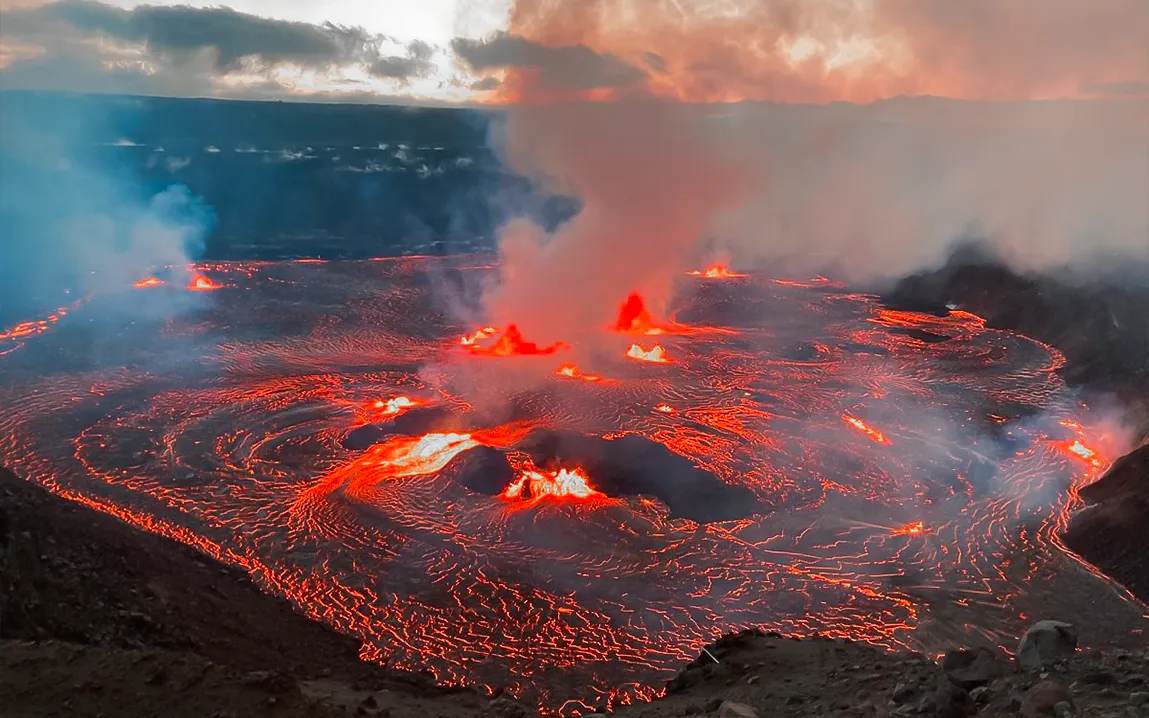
[[572, 600], [200, 283], [716, 271], [877, 436], [558, 484], [573, 372], [656, 355], [12, 337], [510, 344], [148, 282], [410, 456]]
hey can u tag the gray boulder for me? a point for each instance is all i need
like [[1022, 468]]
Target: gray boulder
[[732, 709], [1045, 643], [973, 667]]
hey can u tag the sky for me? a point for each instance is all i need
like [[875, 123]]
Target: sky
[[551, 50]]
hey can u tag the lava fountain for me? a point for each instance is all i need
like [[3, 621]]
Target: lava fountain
[[716, 271]]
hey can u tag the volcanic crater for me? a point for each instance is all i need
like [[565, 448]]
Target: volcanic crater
[[807, 461]]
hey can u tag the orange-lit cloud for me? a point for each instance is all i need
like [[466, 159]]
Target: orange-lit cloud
[[854, 50]]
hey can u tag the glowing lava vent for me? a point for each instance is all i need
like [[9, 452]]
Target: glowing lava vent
[[469, 340], [149, 282], [563, 483], [911, 529], [716, 271], [510, 344], [390, 407], [573, 372], [656, 354], [1083, 452], [200, 283]]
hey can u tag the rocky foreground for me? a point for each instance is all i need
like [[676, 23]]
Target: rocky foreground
[[754, 674], [99, 619]]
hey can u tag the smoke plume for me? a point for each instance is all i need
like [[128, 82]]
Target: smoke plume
[[78, 220], [867, 190], [649, 185]]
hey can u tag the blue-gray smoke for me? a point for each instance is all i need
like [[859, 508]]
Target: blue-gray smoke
[[76, 219]]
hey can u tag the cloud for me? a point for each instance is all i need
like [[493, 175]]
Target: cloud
[[864, 190], [417, 63], [180, 33], [854, 50], [486, 84], [566, 67], [82, 45]]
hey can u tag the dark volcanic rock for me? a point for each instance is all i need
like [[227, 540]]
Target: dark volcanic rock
[[634, 465], [1111, 532], [973, 667], [483, 469], [1099, 324], [410, 423], [70, 573], [1041, 700], [951, 700]]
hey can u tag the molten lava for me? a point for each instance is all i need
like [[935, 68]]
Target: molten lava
[[510, 344], [485, 333], [875, 435], [564, 483], [390, 407], [573, 372], [576, 604], [633, 318], [656, 354], [910, 529], [149, 282], [200, 283], [1083, 452], [716, 271], [412, 455]]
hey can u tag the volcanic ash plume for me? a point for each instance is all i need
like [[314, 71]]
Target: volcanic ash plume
[[650, 183]]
